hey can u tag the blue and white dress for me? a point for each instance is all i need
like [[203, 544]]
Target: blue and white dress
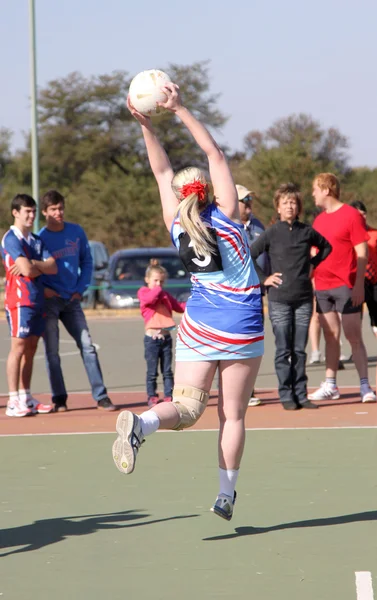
[[223, 316]]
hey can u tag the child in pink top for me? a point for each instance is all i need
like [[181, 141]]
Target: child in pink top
[[156, 307]]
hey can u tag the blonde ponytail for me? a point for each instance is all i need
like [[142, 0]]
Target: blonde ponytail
[[190, 208]]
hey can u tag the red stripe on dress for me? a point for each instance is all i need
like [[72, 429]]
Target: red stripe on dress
[[233, 289], [224, 340], [189, 335], [179, 336], [232, 243], [224, 350], [233, 230]]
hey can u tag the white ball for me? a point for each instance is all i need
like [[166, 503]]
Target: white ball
[[145, 91]]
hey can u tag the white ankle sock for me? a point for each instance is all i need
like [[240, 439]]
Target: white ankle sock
[[228, 480], [24, 395], [13, 396], [149, 422]]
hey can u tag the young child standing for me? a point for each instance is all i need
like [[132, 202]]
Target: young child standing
[[156, 307]]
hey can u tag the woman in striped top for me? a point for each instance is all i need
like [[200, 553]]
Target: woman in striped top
[[222, 324]]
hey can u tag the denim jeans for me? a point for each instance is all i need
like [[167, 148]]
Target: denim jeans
[[159, 352], [71, 315], [290, 324]]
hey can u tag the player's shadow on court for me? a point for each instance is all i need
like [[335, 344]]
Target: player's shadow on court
[[324, 522], [51, 531]]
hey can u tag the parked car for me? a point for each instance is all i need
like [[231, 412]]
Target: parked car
[[127, 271], [95, 292]]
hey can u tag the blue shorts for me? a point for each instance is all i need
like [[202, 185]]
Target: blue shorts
[[25, 321]]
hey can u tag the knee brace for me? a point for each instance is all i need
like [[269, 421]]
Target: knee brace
[[190, 403]]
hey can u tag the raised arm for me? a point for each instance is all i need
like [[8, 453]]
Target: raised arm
[[221, 177], [160, 166]]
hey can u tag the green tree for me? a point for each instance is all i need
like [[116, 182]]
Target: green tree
[[91, 149], [294, 149], [361, 184]]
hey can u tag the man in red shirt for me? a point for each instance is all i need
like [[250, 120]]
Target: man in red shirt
[[371, 270], [339, 284]]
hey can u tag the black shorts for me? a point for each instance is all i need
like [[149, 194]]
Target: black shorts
[[371, 300], [336, 300]]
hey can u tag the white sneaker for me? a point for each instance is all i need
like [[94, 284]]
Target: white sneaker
[[325, 392], [315, 358], [15, 408], [38, 407], [254, 401], [369, 396], [223, 506], [128, 442]]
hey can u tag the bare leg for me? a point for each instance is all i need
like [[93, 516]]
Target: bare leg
[[352, 330], [237, 379], [315, 333], [132, 429], [330, 323], [15, 355], [26, 368]]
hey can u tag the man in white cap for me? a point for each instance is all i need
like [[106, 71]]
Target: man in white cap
[[254, 228]]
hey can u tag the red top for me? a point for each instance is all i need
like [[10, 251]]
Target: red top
[[156, 307], [21, 290], [344, 229], [371, 270]]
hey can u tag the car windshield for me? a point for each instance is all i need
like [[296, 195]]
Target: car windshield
[[133, 268]]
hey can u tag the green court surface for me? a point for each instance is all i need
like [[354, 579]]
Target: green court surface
[[74, 528]]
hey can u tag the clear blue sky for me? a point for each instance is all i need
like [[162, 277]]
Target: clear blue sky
[[268, 59]]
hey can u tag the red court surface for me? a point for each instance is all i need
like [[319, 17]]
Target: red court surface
[[84, 417]]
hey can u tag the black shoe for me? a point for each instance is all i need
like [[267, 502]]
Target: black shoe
[[290, 405], [341, 366], [308, 404], [60, 408], [60, 403], [106, 404]]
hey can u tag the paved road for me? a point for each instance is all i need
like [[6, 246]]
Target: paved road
[[120, 342]]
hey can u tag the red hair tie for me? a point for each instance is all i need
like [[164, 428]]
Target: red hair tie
[[196, 187]]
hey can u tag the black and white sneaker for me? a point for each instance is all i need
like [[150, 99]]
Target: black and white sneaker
[[128, 442]]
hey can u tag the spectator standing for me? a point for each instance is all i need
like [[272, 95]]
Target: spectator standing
[[254, 228], [68, 244], [339, 284], [370, 283], [157, 307], [288, 244], [25, 259]]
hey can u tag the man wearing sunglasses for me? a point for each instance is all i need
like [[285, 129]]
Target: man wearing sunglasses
[[254, 228]]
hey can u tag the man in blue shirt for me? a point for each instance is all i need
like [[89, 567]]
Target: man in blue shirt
[[25, 260], [69, 246], [254, 228]]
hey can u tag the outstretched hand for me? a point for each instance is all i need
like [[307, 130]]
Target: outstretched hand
[[143, 119], [173, 98]]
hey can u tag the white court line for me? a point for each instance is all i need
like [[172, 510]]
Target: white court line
[[364, 587], [186, 432], [215, 391]]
